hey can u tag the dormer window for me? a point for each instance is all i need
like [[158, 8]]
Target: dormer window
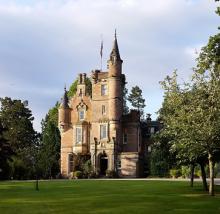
[[81, 115], [104, 90]]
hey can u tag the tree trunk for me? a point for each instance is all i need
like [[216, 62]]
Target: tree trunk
[[204, 181], [192, 174], [36, 184], [211, 175]]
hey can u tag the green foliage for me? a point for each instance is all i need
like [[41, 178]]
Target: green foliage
[[175, 173], [5, 154], [191, 113], [87, 168], [49, 151], [78, 174], [160, 160], [218, 9], [73, 88], [111, 174], [17, 119], [136, 99], [125, 99], [185, 171], [88, 86]]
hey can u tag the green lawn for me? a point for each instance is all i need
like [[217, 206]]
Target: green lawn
[[89, 196]]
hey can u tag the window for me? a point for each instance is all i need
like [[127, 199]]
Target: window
[[81, 115], [80, 93], [103, 131], [103, 110], [78, 135], [152, 130], [103, 90], [125, 138], [119, 164]]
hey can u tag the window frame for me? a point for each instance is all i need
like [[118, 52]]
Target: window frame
[[104, 90], [79, 113], [102, 131], [79, 137]]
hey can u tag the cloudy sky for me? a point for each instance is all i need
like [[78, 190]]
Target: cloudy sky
[[44, 44]]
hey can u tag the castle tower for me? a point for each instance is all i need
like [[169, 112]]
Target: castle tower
[[115, 87], [115, 84], [64, 113]]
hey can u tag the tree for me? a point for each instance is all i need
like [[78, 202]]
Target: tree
[[16, 119], [207, 83], [191, 118], [49, 151], [5, 154], [176, 130], [125, 98], [136, 99]]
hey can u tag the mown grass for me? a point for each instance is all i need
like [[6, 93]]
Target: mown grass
[[90, 196]]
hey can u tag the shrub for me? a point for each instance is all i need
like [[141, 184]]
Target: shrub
[[185, 171], [92, 174], [87, 168], [77, 174], [175, 173], [111, 174]]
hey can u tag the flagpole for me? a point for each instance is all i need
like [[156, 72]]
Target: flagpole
[[101, 51]]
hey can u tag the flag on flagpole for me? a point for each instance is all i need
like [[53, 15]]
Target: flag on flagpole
[[101, 50]]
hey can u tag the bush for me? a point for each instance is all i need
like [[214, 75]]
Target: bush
[[185, 171], [92, 174], [77, 174], [175, 173], [111, 174], [87, 168], [198, 173]]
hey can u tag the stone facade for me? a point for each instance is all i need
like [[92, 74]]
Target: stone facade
[[93, 125]]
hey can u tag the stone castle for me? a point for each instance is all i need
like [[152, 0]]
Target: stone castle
[[93, 125]]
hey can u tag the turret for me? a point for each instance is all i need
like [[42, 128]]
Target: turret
[[115, 92], [64, 112], [115, 62]]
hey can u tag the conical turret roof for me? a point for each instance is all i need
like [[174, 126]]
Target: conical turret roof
[[115, 50], [65, 100]]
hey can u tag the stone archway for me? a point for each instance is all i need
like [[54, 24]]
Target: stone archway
[[103, 163]]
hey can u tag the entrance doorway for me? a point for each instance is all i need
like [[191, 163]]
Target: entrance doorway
[[103, 164]]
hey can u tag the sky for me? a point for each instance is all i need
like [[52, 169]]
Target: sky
[[45, 44]]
